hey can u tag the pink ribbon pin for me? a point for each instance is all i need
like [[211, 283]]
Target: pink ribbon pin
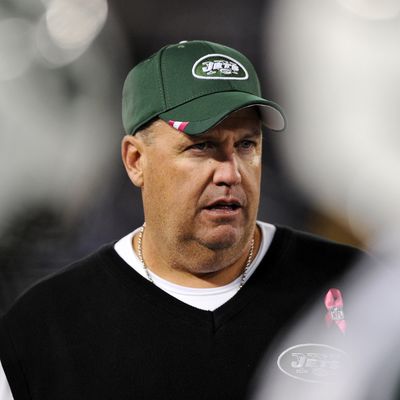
[[334, 305]]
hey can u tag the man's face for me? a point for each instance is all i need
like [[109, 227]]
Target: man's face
[[204, 189]]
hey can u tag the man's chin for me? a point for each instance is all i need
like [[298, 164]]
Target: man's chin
[[222, 237]]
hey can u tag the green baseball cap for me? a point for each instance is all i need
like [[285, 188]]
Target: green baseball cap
[[193, 86]]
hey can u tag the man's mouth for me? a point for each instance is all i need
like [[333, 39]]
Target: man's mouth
[[224, 206]]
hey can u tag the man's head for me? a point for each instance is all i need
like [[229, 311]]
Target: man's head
[[200, 181]]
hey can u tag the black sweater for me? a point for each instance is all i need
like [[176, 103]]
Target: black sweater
[[98, 330]]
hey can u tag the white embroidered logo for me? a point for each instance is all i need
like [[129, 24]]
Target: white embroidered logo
[[313, 363], [219, 66]]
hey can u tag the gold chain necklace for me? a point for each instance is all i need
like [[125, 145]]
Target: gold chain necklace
[[140, 255]]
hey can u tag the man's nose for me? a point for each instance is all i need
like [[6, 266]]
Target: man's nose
[[227, 171]]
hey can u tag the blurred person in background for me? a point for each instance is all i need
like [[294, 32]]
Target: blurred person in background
[[184, 306], [343, 152]]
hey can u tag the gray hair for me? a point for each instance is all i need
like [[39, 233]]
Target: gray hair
[[146, 132]]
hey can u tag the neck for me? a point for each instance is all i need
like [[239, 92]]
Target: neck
[[186, 268]]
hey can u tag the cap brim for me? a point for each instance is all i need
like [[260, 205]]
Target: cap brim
[[189, 117]]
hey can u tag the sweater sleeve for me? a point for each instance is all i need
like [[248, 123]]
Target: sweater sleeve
[[12, 379], [5, 391]]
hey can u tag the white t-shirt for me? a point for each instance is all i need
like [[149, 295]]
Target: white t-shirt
[[205, 299]]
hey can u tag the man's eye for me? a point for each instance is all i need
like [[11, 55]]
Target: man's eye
[[247, 144], [200, 146]]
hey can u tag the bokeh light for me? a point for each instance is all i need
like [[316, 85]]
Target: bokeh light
[[75, 23], [68, 28], [50, 54]]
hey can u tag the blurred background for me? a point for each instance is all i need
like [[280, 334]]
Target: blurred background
[[63, 189]]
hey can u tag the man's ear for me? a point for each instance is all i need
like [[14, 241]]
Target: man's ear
[[132, 157]]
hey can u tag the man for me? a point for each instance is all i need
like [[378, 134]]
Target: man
[[185, 306]]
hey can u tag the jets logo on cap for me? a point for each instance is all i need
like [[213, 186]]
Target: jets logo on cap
[[219, 66]]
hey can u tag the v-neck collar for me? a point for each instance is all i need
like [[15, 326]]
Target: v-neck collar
[[160, 300]]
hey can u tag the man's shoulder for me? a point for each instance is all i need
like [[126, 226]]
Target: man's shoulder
[[301, 254], [65, 285], [313, 244]]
